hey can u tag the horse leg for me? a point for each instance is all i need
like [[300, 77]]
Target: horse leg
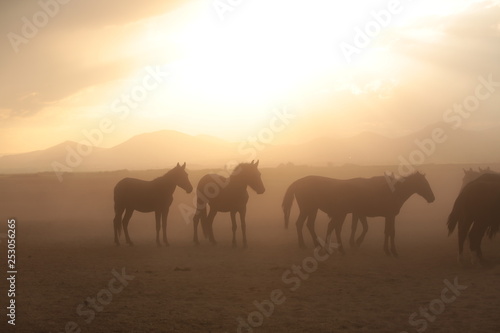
[[310, 225], [475, 236], [299, 224], [390, 221], [126, 219], [164, 216], [196, 220], [464, 225], [338, 231], [361, 237], [243, 226], [117, 223], [233, 223], [210, 222], [157, 218], [387, 234], [354, 226]]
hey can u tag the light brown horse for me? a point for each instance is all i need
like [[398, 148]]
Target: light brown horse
[[226, 195], [364, 197]]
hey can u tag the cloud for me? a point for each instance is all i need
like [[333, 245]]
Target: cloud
[[71, 53]]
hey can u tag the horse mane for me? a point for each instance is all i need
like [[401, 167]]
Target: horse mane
[[165, 176], [399, 180], [238, 168]]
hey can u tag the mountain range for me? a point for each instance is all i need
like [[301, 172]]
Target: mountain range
[[437, 143]]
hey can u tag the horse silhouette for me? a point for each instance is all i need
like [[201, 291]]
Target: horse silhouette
[[226, 195], [470, 175], [363, 197], [476, 211], [148, 196]]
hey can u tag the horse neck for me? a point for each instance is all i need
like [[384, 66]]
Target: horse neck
[[403, 192], [167, 183], [237, 182]]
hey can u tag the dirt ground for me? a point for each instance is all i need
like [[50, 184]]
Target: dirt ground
[[72, 278]]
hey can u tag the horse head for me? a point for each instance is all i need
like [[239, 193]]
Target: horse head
[[250, 174], [421, 186], [181, 177]]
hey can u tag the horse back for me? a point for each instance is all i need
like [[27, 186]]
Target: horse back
[[217, 191], [141, 195], [368, 196]]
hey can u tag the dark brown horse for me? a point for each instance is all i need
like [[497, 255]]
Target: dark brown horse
[[470, 175], [364, 197], [226, 195], [476, 211], [148, 196]]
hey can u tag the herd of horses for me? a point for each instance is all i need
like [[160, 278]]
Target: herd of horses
[[476, 210]]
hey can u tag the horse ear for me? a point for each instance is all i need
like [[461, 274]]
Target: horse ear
[[257, 163], [184, 165], [177, 164], [252, 162]]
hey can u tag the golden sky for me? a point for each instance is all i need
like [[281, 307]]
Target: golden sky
[[221, 67]]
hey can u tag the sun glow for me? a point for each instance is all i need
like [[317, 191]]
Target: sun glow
[[262, 54]]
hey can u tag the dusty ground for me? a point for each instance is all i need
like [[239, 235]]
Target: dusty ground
[[66, 255]]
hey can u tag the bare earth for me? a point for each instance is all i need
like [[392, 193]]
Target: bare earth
[[66, 260]]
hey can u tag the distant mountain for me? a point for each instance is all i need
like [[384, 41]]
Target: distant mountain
[[41, 160], [163, 149]]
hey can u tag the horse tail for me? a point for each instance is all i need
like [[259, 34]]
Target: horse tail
[[455, 213], [287, 203]]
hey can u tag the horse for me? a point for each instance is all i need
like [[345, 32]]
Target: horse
[[148, 196], [363, 197], [226, 195], [476, 211], [470, 175]]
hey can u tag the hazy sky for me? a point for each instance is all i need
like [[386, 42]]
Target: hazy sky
[[209, 67]]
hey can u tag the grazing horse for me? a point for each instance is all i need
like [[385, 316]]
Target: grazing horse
[[226, 195], [364, 197], [476, 211], [148, 196]]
